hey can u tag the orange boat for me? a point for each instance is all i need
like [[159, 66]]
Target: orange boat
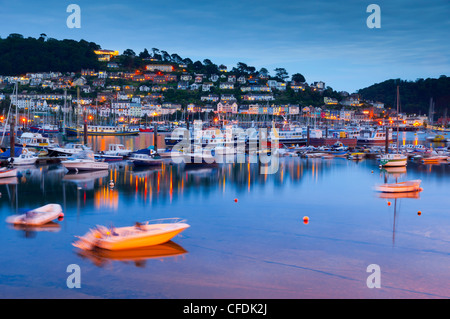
[[140, 235], [408, 186]]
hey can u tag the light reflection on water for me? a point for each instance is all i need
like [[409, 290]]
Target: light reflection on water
[[257, 247]]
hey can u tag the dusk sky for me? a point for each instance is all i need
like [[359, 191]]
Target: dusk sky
[[323, 40]]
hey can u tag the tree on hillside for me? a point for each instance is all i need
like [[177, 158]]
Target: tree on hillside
[[297, 77], [264, 72], [19, 55], [144, 54], [197, 66], [129, 52], [176, 58], [281, 74]]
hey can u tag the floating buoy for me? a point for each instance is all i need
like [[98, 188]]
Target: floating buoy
[[372, 172], [61, 217], [235, 200], [389, 203], [305, 220], [111, 183], [419, 213]]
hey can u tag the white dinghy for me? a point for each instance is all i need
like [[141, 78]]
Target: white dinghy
[[38, 216]]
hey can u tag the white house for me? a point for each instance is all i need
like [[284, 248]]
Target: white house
[[210, 98], [226, 86], [227, 107]]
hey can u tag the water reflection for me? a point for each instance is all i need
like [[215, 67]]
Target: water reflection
[[397, 197], [138, 257], [262, 230], [31, 231], [52, 183]]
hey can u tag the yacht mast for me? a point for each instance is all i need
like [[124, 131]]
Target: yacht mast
[[398, 102]]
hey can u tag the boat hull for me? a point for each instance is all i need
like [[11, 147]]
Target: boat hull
[[43, 215], [142, 163], [394, 163], [75, 132], [411, 186], [130, 237], [5, 173], [84, 166]]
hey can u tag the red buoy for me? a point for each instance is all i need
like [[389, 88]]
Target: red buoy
[[235, 200], [389, 203], [305, 220], [419, 213]]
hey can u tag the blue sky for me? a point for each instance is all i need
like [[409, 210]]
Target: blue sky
[[323, 40]]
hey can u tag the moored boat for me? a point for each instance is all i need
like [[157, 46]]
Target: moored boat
[[373, 137], [6, 172], [145, 160], [99, 130], [84, 161], [393, 160], [356, 155], [438, 138], [117, 150], [402, 187], [26, 158], [45, 129], [38, 216], [140, 235], [35, 140], [69, 149]]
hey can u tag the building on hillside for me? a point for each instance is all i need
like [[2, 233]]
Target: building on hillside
[[227, 107], [159, 67], [105, 55]]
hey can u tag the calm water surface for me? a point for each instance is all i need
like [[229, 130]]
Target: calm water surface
[[257, 247]]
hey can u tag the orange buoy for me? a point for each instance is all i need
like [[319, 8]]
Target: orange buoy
[[419, 213], [389, 203], [305, 220]]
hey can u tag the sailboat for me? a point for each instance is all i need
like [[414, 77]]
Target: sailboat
[[397, 159]]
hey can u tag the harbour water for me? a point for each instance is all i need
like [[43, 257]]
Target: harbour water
[[247, 237]]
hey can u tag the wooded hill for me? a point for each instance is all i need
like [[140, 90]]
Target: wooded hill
[[19, 55], [414, 95]]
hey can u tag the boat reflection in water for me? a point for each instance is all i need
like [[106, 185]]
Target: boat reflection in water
[[397, 197], [102, 257], [31, 231], [85, 179]]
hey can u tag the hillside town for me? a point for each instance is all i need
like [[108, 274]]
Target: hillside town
[[160, 89]]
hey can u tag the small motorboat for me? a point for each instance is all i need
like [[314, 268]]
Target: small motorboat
[[408, 186], [8, 172], [356, 156], [26, 158], [434, 159], [140, 235], [147, 129], [117, 150], [84, 161], [145, 160], [69, 149], [437, 138], [38, 216], [393, 160]]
